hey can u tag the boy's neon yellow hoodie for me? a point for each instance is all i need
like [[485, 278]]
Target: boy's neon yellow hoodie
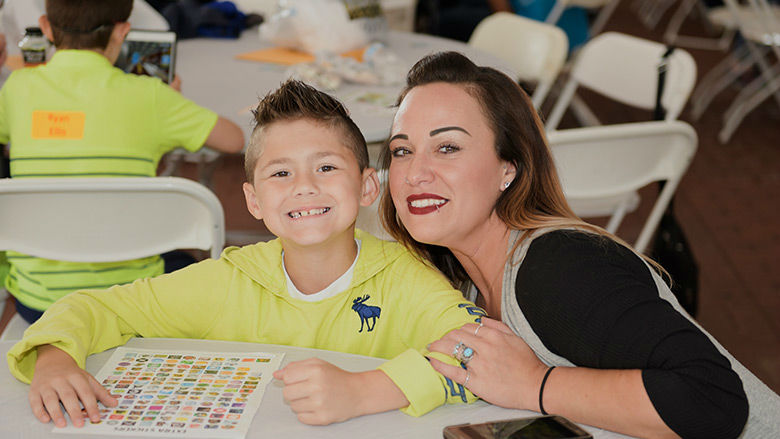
[[243, 297]]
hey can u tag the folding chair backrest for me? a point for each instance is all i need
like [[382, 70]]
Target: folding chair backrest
[[534, 49], [108, 219], [625, 68], [609, 163]]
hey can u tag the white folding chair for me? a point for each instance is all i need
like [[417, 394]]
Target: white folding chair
[[625, 68], [535, 50], [650, 12], [106, 220], [712, 18], [604, 167], [759, 24]]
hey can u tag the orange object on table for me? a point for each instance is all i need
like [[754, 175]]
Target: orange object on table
[[286, 56]]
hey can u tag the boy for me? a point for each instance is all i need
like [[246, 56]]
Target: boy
[[79, 116], [321, 284]]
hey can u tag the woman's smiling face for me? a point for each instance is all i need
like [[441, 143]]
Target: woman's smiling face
[[445, 175]]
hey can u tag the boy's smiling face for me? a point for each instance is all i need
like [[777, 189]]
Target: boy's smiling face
[[308, 185]]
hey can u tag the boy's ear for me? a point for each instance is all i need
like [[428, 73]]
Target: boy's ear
[[370, 188], [251, 201], [45, 25], [120, 31]]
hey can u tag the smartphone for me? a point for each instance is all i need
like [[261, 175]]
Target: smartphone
[[539, 427], [151, 53]]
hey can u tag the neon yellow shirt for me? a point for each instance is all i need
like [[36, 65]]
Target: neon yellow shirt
[[79, 116], [243, 297]]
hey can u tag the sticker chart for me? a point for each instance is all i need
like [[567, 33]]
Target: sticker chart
[[178, 394]]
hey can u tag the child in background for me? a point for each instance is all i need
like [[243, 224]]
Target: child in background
[[78, 116], [322, 284]]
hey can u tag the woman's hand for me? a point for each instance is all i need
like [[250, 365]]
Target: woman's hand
[[58, 378], [503, 371]]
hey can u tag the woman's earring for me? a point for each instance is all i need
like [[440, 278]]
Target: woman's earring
[[506, 184]]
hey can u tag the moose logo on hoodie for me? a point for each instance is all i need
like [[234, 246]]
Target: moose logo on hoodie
[[366, 312]]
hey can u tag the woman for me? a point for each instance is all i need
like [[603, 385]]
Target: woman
[[471, 183]]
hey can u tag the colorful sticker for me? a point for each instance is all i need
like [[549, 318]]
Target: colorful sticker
[[178, 394]]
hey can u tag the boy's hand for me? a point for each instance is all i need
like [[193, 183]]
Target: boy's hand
[[319, 392], [57, 378], [176, 83]]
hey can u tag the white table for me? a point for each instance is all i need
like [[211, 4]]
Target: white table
[[274, 419], [213, 78]]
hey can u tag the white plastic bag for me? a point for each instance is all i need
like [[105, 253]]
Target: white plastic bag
[[314, 26]]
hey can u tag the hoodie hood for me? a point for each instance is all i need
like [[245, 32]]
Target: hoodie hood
[[262, 262]]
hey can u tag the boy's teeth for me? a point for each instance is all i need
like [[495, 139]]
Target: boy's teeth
[[428, 202], [301, 213]]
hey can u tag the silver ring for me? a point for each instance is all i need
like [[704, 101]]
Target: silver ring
[[468, 375], [456, 349], [463, 353], [478, 328]]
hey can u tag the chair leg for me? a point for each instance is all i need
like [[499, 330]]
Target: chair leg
[[651, 223], [602, 18], [717, 79], [583, 113], [206, 168], [672, 34], [735, 114], [650, 12], [171, 163], [559, 108], [617, 218], [556, 12], [767, 71]]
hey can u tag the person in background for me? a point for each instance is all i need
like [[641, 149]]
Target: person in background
[[78, 116], [579, 325], [322, 284], [457, 19]]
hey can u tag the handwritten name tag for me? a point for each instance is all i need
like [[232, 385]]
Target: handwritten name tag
[[58, 125]]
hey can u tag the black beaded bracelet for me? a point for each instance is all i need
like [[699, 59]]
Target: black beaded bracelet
[[541, 389]]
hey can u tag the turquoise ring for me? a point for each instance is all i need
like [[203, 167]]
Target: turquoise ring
[[463, 353]]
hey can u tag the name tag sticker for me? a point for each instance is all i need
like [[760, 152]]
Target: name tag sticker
[[58, 124]]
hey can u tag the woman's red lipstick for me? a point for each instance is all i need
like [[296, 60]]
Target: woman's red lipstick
[[425, 203]]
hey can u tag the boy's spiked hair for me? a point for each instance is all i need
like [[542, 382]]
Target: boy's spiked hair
[[296, 100], [85, 24]]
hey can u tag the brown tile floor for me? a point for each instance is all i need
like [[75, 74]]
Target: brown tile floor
[[728, 204]]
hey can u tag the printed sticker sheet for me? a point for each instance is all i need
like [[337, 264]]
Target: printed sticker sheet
[[178, 394]]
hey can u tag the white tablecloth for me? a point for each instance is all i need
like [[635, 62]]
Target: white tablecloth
[[274, 419]]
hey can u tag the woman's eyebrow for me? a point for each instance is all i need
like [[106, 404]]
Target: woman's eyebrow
[[441, 130], [399, 136]]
